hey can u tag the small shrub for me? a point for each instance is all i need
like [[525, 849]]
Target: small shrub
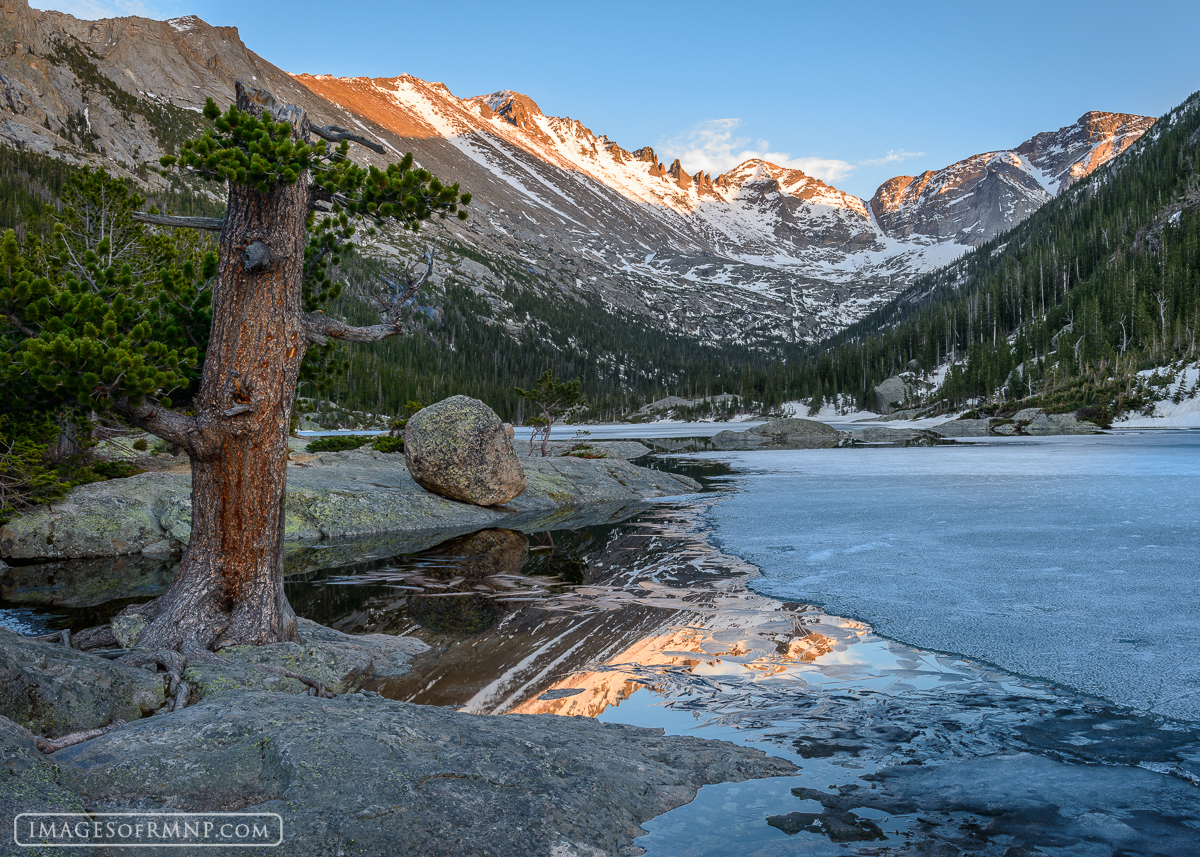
[[140, 444], [27, 479], [337, 443], [1097, 414], [115, 469], [586, 450], [388, 443]]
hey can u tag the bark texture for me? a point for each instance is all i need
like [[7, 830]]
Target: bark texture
[[228, 589]]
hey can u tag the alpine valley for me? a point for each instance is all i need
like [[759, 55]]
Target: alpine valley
[[759, 255]]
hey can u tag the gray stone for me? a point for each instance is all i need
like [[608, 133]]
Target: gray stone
[[458, 448], [892, 392], [352, 495], [884, 434], [565, 483], [1029, 421], [626, 449], [790, 433], [1036, 422], [111, 518], [52, 690], [343, 663], [127, 628], [964, 428], [29, 782], [367, 775]]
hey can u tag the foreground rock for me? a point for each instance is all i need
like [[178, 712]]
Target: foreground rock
[[342, 663], [366, 775], [460, 449], [788, 433], [52, 690], [330, 495], [354, 774]]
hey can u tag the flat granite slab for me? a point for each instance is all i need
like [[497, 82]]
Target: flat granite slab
[[356, 774], [365, 775], [329, 495]]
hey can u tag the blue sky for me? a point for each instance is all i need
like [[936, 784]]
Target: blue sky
[[852, 93]]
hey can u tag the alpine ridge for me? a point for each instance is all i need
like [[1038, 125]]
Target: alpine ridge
[[761, 253]]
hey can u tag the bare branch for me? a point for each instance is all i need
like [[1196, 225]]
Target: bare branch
[[50, 745], [319, 328], [412, 284], [19, 325], [212, 224], [336, 134], [161, 422]]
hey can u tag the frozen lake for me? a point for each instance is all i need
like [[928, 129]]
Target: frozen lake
[[1075, 559]]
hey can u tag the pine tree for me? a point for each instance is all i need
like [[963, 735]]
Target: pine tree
[[293, 207]]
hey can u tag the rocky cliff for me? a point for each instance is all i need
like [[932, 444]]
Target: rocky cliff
[[976, 199]]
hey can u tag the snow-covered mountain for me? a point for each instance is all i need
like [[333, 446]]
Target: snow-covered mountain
[[761, 252], [975, 199]]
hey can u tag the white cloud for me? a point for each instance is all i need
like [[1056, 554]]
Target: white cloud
[[713, 147], [893, 156], [91, 10]]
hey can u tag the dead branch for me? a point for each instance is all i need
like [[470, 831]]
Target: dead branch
[[212, 224], [90, 639], [320, 328], [161, 422], [336, 134], [19, 325], [63, 636], [49, 745]]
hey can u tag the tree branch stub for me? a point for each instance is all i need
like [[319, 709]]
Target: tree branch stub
[[211, 224]]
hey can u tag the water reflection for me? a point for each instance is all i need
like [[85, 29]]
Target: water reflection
[[896, 746]]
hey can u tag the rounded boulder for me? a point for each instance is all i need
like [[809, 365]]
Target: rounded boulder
[[458, 448]]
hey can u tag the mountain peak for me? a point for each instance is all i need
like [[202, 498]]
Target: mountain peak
[[972, 200], [514, 108]]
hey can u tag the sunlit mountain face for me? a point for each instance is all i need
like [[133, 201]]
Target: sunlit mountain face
[[759, 254]]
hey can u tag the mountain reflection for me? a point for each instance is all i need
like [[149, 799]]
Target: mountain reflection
[[572, 622]]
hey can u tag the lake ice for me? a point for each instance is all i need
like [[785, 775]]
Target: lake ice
[[1071, 559]]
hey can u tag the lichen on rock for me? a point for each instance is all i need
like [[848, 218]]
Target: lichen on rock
[[459, 448]]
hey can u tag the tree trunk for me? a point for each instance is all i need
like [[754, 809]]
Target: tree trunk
[[228, 589]]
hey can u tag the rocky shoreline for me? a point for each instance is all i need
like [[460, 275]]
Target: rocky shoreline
[[441, 781], [331, 495], [364, 493], [796, 433]]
